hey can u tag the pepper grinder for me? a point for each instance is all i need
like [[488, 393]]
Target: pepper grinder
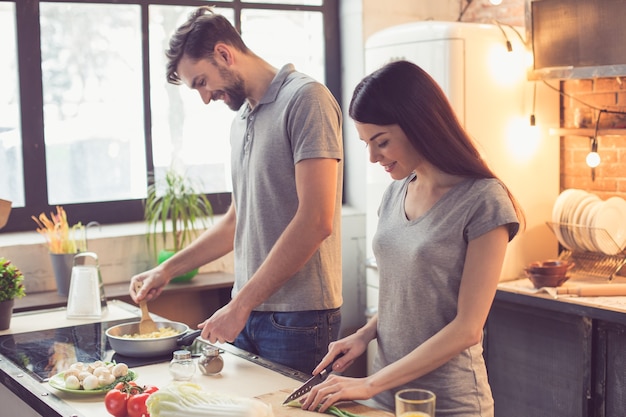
[[211, 362]]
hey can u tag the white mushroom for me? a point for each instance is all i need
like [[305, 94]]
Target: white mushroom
[[91, 383], [95, 365], [101, 370], [121, 369], [78, 366], [106, 379], [71, 372], [83, 375], [72, 382]]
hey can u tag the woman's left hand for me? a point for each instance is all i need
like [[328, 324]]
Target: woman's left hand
[[334, 389]]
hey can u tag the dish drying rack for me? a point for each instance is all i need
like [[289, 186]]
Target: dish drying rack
[[588, 263]]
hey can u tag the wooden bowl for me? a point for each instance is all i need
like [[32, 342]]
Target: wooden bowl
[[550, 267], [546, 280]]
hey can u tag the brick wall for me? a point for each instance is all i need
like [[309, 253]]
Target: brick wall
[[600, 93], [579, 109], [510, 12]]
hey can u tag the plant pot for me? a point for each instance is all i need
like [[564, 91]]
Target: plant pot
[[62, 267], [6, 311], [164, 255]]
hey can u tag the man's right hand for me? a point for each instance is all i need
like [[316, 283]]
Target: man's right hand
[[152, 284]]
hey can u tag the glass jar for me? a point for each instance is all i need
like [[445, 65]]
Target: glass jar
[[182, 367], [211, 362]]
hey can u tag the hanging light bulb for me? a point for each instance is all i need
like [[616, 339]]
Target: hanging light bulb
[[495, 2], [593, 158]]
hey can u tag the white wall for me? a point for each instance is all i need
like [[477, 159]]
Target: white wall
[[360, 19]]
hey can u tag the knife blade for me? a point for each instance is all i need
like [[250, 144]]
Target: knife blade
[[311, 382]]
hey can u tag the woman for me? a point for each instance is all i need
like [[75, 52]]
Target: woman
[[443, 228]]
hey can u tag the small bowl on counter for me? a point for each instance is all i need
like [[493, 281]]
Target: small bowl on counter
[[550, 273], [540, 280]]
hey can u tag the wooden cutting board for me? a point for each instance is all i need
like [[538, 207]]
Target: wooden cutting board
[[275, 399]]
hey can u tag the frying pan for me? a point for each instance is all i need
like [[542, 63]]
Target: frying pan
[[141, 348]]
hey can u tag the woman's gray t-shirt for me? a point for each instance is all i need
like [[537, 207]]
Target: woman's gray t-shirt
[[420, 263]]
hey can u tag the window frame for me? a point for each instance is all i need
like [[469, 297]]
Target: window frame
[[32, 116]]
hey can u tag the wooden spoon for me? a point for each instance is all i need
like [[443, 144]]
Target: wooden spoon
[[146, 324]]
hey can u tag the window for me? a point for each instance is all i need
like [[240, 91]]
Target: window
[[89, 120], [11, 184]]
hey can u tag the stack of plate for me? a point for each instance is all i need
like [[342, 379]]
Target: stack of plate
[[584, 222]]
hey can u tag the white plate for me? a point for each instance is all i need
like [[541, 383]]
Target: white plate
[[611, 217], [559, 215], [580, 227], [572, 197], [585, 221]]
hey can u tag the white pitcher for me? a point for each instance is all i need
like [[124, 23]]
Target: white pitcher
[[86, 295]]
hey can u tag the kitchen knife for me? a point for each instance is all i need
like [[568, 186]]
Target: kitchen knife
[[313, 381]]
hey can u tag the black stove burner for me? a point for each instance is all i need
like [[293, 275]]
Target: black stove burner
[[45, 353]]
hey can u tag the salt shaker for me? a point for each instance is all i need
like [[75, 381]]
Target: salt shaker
[[211, 362], [182, 367]]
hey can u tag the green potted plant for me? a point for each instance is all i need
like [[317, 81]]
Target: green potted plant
[[175, 211], [11, 287]]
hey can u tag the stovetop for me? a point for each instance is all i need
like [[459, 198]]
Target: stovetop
[[45, 353]]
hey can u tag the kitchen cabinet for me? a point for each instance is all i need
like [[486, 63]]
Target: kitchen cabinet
[[551, 357], [610, 366]]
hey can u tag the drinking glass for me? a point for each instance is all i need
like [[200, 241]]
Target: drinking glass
[[414, 402]]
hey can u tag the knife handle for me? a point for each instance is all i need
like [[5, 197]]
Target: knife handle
[[329, 368]]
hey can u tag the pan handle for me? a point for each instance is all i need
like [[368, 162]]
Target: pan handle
[[188, 339]]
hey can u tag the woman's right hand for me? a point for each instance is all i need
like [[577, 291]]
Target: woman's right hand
[[350, 346]]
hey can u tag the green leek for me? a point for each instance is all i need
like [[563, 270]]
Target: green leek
[[333, 410]]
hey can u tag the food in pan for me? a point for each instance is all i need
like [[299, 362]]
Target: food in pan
[[161, 332]]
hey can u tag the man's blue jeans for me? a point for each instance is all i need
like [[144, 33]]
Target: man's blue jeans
[[297, 339]]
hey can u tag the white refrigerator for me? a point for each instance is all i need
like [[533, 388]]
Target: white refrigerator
[[488, 88]]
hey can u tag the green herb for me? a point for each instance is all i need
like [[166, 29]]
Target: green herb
[[11, 281], [130, 376]]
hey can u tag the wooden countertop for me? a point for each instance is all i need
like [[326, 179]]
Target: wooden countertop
[[611, 309], [243, 374]]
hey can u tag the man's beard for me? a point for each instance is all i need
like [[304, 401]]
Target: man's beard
[[236, 91]]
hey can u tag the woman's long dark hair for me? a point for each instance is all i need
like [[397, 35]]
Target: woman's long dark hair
[[401, 93]]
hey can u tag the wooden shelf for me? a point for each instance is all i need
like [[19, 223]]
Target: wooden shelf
[[587, 132], [201, 283]]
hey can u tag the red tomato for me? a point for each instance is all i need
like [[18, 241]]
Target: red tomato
[[150, 389], [136, 406], [115, 402]]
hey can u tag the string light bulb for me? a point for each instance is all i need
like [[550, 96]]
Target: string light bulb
[[593, 158]]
